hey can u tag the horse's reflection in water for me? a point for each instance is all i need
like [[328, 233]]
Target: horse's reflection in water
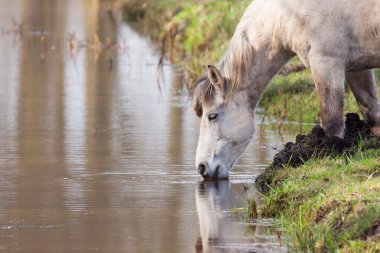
[[213, 200]]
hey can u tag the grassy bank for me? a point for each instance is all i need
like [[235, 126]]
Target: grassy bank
[[196, 32], [329, 204]]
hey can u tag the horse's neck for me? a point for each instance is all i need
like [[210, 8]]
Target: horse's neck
[[264, 38], [255, 53], [267, 61], [265, 65]]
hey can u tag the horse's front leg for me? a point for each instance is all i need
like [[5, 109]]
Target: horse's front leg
[[363, 85], [328, 75]]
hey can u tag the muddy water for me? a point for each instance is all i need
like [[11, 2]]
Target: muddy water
[[97, 148]]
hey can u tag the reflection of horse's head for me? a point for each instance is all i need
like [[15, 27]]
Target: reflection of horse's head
[[212, 198]]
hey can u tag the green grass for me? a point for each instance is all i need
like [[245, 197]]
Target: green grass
[[328, 204], [293, 97]]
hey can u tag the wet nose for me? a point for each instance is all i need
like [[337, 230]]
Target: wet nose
[[202, 169]]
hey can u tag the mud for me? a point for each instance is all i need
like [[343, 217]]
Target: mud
[[317, 145]]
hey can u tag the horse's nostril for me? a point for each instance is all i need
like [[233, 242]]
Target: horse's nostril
[[202, 169], [217, 171]]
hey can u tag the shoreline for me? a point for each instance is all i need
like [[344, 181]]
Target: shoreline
[[326, 190], [329, 204]]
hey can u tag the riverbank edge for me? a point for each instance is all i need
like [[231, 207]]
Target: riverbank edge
[[327, 205]]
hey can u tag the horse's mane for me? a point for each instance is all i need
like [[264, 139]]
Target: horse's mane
[[235, 64], [234, 67]]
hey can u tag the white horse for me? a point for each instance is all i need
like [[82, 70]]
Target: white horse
[[338, 39]]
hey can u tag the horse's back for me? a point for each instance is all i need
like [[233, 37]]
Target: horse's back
[[343, 28]]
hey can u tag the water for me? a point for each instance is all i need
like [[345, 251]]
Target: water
[[96, 154]]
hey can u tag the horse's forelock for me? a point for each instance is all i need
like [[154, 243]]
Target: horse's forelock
[[203, 94]]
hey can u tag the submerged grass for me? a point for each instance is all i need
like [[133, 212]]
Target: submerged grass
[[331, 204]]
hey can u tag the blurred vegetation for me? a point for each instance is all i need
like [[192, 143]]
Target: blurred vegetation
[[330, 204], [192, 33], [196, 32]]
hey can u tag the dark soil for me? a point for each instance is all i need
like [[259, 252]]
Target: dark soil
[[318, 145]]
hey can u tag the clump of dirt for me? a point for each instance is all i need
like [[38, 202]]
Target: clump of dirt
[[317, 145]]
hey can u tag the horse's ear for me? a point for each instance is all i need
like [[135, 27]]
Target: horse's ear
[[215, 78]]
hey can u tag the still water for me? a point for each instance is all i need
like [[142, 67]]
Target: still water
[[97, 146]]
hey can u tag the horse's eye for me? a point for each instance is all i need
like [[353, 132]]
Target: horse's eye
[[212, 116]]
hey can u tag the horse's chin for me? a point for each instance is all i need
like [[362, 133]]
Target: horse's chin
[[221, 172], [220, 178]]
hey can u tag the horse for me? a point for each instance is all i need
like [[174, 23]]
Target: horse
[[339, 40]]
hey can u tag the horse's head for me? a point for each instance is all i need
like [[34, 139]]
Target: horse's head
[[227, 124]]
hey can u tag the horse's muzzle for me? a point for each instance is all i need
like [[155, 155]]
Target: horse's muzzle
[[211, 174]]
